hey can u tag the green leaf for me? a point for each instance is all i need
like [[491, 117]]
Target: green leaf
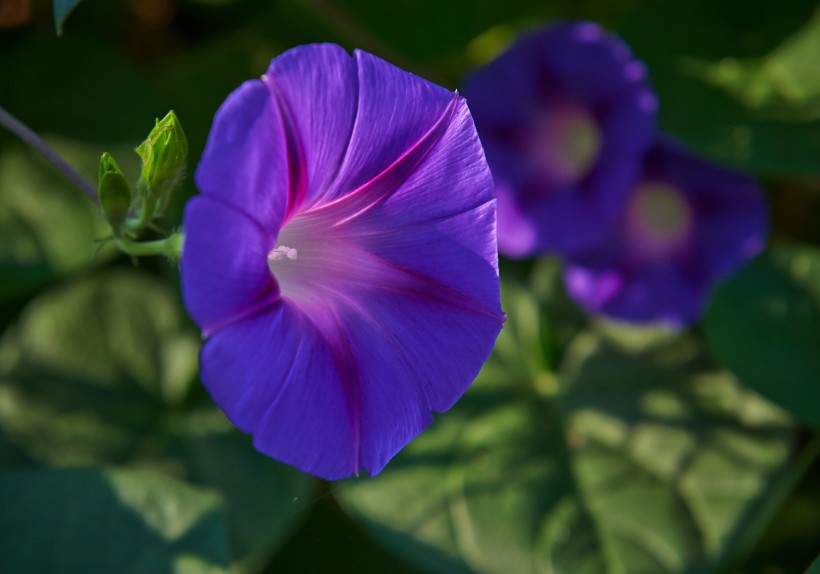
[[763, 325], [777, 139], [108, 521], [47, 228], [636, 456], [100, 372], [786, 81], [815, 567], [89, 368], [264, 499], [62, 8]]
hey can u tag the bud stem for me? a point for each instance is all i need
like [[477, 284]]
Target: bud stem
[[170, 247], [35, 142], [147, 209]]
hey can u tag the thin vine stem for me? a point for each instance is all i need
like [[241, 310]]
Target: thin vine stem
[[34, 141]]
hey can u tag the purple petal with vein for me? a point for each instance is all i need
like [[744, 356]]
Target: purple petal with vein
[[341, 260]]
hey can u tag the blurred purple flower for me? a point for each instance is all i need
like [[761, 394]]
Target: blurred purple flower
[[565, 116], [341, 258], [688, 223]]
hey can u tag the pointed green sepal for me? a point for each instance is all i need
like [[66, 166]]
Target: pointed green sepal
[[163, 156], [114, 193]]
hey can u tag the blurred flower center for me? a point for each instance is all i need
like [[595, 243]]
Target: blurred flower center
[[565, 143], [660, 214]]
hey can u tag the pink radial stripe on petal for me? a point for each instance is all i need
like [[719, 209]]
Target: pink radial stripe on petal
[[296, 174], [319, 86], [356, 202], [454, 178], [433, 248], [395, 110]]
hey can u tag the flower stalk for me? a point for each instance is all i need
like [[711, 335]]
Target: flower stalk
[[170, 247]]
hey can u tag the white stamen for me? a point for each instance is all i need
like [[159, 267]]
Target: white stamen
[[281, 252]]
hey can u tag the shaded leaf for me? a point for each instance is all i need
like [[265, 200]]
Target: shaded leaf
[[99, 372], [706, 117], [264, 499], [108, 521], [763, 325], [636, 456], [89, 368]]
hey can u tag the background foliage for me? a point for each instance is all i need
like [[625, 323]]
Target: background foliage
[[583, 447]]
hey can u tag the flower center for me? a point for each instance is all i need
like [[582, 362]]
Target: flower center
[[280, 253], [566, 143], [292, 266], [313, 261], [660, 215]]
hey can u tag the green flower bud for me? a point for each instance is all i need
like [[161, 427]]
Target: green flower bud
[[163, 156], [114, 193]]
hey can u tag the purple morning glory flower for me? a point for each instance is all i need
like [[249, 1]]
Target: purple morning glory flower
[[565, 116], [688, 223], [341, 258]]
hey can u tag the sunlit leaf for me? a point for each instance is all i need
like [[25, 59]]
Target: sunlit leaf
[[97, 372], [108, 521], [773, 140], [637, 456], [62, 8], [764, 325], [89, 367], [786, 81]]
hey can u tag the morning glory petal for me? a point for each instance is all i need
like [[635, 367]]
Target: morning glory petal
[[224, 271], [436, 247], [319, 88], [275, 377], [245, 162], [382, 300], [397, 397], [395, 110]]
